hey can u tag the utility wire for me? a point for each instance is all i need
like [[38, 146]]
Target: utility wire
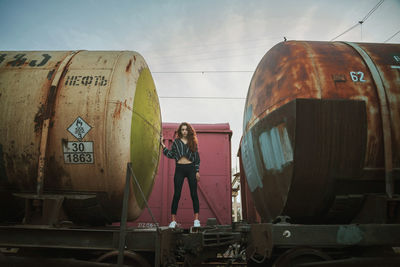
[[186, 60], [204, 71], [361, 21], [346, 31], [208, 45], [204, 97], [372, 10], [390, 38]]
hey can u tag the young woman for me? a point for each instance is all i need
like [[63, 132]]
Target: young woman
[[184, 151]]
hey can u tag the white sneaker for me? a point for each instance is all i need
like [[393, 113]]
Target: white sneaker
[[172, 224], [196, 223]]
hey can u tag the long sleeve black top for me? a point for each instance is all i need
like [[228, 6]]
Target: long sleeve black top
[[180, 149]]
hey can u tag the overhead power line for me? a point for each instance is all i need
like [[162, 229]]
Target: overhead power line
[[346, 31], [204, 71], [190, 48], [372, 10], [204, 97], [390, 38], [361, 21]]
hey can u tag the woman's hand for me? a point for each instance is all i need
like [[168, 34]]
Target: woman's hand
[[161, 141], [198, 177]]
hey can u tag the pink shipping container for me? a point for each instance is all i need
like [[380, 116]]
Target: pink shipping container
[[214, 188]]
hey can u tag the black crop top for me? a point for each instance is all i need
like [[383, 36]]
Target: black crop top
[[180, 149]]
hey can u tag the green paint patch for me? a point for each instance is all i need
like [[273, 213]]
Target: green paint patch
[[145, 135]]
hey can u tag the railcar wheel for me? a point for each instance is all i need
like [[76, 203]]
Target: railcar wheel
[[130, 258], [296, 256]]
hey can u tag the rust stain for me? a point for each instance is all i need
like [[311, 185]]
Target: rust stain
[[60, 178], [46, 110], [39, 119], [117, 110], [64, 72], [51, 98], [20, 171], [128, 67], [127, 106], [338, 78], [50, 74]]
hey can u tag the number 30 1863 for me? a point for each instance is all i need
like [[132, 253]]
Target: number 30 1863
[[78, 152]]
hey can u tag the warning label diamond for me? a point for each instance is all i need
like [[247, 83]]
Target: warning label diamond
[[79, 128]]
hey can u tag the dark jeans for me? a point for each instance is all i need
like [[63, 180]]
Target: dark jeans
[[182, 171]]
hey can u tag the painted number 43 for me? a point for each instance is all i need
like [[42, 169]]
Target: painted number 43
[[357, 76]]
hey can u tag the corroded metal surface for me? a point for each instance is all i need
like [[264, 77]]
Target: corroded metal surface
[[385, 117], [102, 110], [320, 70], [22, 103]]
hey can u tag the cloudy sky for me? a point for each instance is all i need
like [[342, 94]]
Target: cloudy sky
[[206, 50]]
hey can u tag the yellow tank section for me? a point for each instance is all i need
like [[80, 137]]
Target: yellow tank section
[[145, 152]]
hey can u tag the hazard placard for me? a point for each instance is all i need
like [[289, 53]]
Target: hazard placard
[[79, 128]]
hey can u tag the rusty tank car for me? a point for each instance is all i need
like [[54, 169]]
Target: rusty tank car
[[321, 133], [70, 121]]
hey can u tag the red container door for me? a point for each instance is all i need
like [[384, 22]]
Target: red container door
[[214, 188]]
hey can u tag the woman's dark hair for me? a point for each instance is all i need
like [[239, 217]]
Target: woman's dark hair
[[192, 137]]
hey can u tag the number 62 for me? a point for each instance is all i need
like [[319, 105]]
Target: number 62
[[357, 76]]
